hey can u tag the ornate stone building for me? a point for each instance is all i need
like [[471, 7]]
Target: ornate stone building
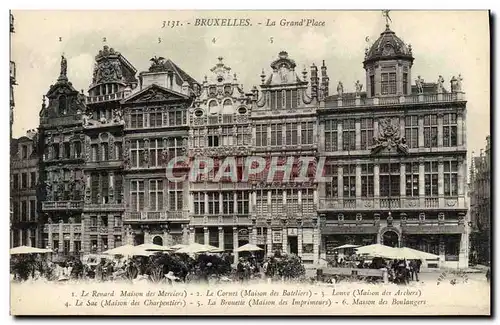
[[113, 80], [396, 155], [284, 129], [156, 131], [480, 204], [219, 128], [61, 140], [24, 184]]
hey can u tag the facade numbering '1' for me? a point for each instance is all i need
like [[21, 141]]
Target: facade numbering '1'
[[93, 176]]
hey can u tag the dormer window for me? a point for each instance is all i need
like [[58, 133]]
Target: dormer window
[[388, 83], [405, 83], [62, 105]]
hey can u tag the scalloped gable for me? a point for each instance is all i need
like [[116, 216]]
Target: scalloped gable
[[155, 93]]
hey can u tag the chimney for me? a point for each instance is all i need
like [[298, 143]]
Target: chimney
[[325, 81], [314, 81]]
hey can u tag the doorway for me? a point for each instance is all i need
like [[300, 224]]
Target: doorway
[[293, 247], [390, 238]]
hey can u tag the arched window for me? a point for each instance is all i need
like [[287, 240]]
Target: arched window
[[226, 106], [212, 107], [62, 105]]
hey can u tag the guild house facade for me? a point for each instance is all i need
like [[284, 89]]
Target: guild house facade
[[393, 155]]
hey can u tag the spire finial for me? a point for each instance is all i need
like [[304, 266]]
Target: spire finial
[[385, 13]]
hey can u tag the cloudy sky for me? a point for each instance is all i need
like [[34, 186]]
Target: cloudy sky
[[444, 43]]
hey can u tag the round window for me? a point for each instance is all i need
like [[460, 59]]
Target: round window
[[198, 113], [242, 110]]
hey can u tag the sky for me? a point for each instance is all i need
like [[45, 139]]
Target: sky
[[444, 43]]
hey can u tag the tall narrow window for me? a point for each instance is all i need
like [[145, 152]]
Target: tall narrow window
[[32, 210], [94, 187], [411, 131], [118, 179], [366, 133], [405, 83], [291, 135], [243, 200], [199, 203], [306, 133], [449, 130], [390, 180], [213, 203], [431, 178], [283, 99], [412, 179], [388, 83], [430, 131], [348, 135], [241, 136], [136, 120], [276, 201], [261, 202], [175, 196], [227, 136], [78, 149], [331, 135], [155, 150], [155, 117], [137, 195], [105, 151], [156, 195], [62, 105], [104, 188], [261, 135], [292, 200], [367, 180], [331, 187], [67, 150], [372, 85], [33, 179], [276, 135], [450, 178], [349, 181], [227, 203], [137, 153]]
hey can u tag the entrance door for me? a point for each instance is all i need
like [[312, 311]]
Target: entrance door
[[139, 239], [293, 246], [390, 238]]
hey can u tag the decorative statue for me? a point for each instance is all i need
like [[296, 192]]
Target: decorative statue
[[459, 83], [340, 89], [358, 86], [420, 85], [64, 66], [440, 84], [284, 73], [322, 93]]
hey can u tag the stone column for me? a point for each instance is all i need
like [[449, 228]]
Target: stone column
[[185, 234], [442, 251], [460, 130], [440, 130], [462, 172], [61, 237], [221, 237], [284, 238], [191, 202], [376, 185], [403, 180], [206, 236], [340, 182], [421, 183], [320, 135], [50, 238], [253, 238], [339, 138], [358, 181], [269, 241], [358, 134], [71, 239], [206, 203], [299, 241], [235, 244], [191, 235], [420, 131], [441, 182], [316, 242], [463, 257]]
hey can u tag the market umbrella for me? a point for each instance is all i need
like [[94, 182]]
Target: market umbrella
[[178, 246], [195, 248], [28, 250], [128, 250], [377, 250], [248, 248], [346, 246], [414, 254], [154, 247]]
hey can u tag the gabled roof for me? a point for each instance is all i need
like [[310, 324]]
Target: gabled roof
[[155, 93], [169, 64]]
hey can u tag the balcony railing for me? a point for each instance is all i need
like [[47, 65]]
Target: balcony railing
[[226, 220], [396, 100], [105, 98], [407, 203], [156, 216], [63, 227], [62, 205]]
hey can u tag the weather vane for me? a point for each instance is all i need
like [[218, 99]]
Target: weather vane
[[385, 13]]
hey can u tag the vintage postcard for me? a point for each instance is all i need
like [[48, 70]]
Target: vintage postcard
[[250, 163]]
